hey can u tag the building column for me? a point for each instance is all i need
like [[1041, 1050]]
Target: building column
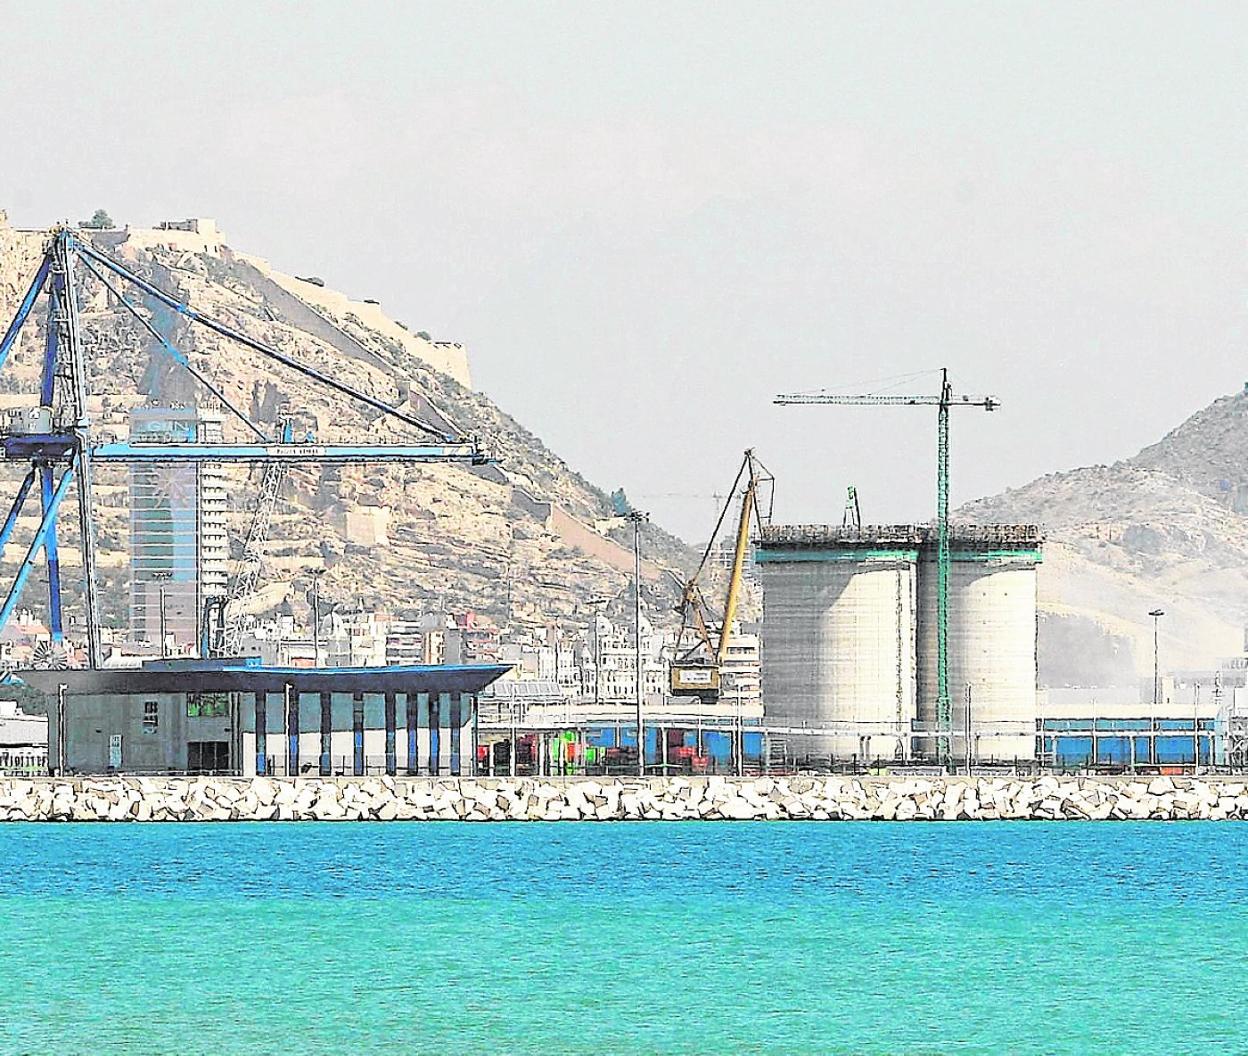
[[412, 713], [476, 740], [391, 709], [262, 734], [327, 733], [456, 719], [357, 734], [292, 731], [435, 734]]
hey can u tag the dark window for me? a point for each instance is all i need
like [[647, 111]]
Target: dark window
[[151, 714], [208, 756]]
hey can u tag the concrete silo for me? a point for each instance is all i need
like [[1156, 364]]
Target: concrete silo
[[992, 641], [838, 643]]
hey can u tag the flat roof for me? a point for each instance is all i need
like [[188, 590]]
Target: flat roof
[[905, 536], [245, 676]]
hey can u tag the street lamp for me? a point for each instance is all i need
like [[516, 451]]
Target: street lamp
[[162, 578], [637, 517], [316, 574], [1156, 614]]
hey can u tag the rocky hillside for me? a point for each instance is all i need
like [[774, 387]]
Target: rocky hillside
[[526, 540], [1167, 528]]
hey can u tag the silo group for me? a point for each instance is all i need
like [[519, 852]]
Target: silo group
[[849, 661]]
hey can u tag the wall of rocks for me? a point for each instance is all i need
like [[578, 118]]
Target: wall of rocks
[[653, 799]]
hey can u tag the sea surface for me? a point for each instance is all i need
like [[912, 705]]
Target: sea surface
[[626, 938]]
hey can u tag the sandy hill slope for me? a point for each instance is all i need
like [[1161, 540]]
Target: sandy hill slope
[[525, 541], [1167, 528]]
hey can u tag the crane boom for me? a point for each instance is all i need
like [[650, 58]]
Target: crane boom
[[738, 561], [988, 403], [943, 402], [697, 670]]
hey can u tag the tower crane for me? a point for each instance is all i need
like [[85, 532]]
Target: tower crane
[[942, 401], [696, 670]]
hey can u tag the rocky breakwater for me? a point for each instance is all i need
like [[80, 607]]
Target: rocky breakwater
[[608, 799]]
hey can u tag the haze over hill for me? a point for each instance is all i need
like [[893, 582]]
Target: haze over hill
[[1166, 528], [527, 540]]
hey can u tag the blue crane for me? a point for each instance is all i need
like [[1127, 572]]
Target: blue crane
[[58, 442]]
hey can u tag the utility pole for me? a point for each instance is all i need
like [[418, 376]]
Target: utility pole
[[290, 721], [1217, 710], [636, 516]]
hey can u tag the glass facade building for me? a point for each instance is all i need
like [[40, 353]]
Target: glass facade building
[[179, 549]]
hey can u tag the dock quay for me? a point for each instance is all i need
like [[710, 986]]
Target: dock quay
[[938, 798]]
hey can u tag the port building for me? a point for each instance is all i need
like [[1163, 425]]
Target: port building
[[849, 639], [237, 716]]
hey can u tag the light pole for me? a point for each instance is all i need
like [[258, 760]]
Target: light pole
[[636, 516], [598, 602], [1156, 614], [515, 736], [1196, 730], [316, 574], [162, 578], [967, 733], [61, 739], [736, 693]]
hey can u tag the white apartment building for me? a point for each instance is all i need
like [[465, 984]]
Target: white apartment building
[[609, 668]]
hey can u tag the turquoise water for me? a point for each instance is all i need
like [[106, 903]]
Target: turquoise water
[[623, 938]]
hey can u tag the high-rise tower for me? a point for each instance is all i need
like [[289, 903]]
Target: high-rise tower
[[178, 543]]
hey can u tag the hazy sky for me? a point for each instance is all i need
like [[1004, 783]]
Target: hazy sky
[[646, 219]]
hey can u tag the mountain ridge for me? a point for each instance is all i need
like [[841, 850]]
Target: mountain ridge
[[1167, 527]]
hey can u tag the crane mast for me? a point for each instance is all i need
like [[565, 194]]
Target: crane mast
[[944, 401]]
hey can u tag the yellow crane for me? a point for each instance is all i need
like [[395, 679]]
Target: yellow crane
[[695, 671]]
